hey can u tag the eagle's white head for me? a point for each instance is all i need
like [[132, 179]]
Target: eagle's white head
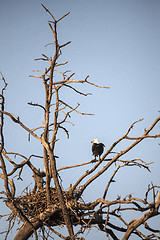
[[95, 141]]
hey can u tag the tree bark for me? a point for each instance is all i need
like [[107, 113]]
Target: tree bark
[[26, 230]]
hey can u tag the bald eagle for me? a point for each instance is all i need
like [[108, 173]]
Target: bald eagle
[[97, 148]]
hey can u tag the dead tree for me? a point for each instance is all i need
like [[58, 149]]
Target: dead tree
[[48, 205]]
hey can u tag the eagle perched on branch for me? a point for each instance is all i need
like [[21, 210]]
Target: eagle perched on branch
[[97, 148]]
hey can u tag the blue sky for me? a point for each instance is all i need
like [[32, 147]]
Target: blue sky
[[117, 44]]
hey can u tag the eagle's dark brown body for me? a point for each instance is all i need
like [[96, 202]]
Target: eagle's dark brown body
[[97, 149]]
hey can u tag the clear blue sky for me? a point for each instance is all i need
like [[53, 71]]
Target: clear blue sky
[[117, 44]]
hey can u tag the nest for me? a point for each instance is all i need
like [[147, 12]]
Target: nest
[[34, 203]]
